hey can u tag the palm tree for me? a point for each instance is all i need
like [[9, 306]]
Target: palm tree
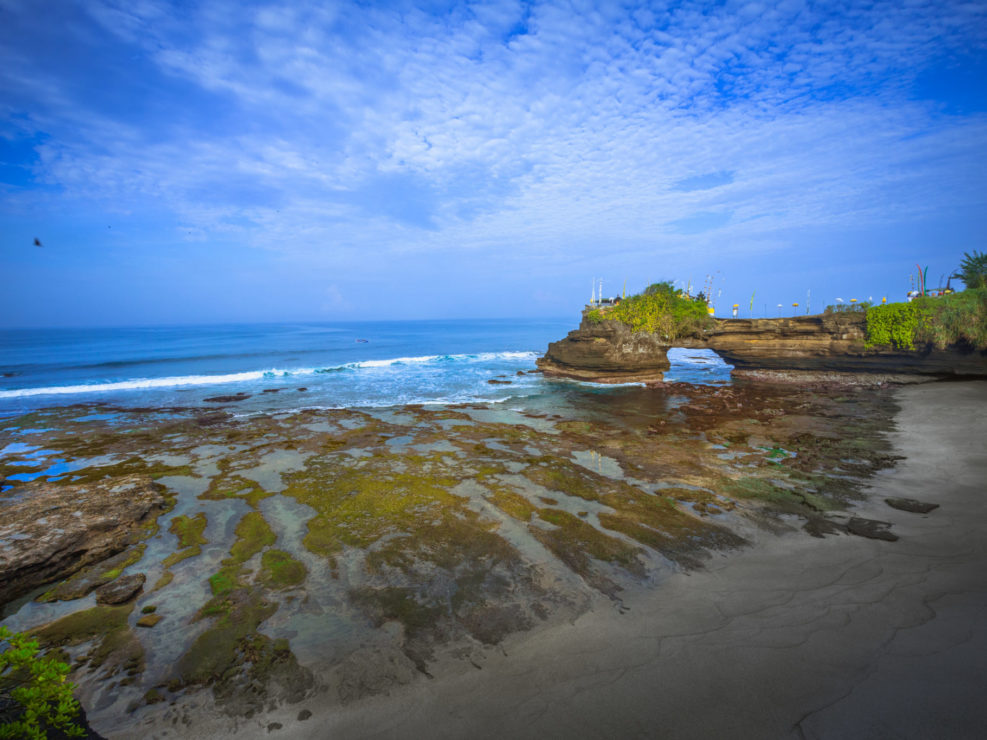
[[973, 270]]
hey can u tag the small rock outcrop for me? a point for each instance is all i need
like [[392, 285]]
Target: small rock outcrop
[[50, 531], [606, 352], [871, 529], [911, 505], [121, 590], [149, 620], [609, 352]]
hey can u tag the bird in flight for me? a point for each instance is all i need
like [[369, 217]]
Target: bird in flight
[[37, 242]]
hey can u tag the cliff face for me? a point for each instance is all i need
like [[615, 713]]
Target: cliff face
[[609, 352]]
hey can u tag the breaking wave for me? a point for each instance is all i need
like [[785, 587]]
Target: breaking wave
[[179, 381]]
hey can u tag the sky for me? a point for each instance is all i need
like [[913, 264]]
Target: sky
[[206, 162]]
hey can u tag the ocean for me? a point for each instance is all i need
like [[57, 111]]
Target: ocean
[[271, 367]]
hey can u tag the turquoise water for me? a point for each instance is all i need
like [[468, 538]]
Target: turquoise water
[[286, 366]]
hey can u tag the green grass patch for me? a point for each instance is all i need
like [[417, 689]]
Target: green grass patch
[[893, 324], [133, 465], [217, 649], [189, 530], [510, 502], [957, 318]]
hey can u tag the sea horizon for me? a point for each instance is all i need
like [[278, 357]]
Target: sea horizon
[[272, 322]]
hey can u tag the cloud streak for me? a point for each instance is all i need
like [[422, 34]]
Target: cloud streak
[[330, 133]]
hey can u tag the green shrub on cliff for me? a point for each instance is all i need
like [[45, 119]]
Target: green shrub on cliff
[[892, 324], [660, 310], [958, 318], [34, 696]]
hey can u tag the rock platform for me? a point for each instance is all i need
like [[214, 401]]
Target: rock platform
[[50, 531]]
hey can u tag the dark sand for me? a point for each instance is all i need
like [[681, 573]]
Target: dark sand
[[842, 637]]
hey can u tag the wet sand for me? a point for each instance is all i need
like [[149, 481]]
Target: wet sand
[[793, 637]]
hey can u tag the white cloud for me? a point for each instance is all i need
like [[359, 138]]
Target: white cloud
[[540, 128]]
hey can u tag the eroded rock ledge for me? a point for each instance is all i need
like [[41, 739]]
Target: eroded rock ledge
[[609, 352], [51, 531]]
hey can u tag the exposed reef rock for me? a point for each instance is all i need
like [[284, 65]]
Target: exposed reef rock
[[872, 529], [121, 590], [825, 345], [911, 505], [50, 531]]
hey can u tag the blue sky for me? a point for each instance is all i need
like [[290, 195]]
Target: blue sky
[[213, 161]]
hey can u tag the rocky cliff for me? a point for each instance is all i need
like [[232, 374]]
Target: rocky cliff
[[608, 352]]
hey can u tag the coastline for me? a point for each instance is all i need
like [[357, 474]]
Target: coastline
[[575, 629], [794, 637]]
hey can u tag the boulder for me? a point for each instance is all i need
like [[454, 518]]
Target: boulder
[[228, 399], [871, 528], [911, 505], [121, 590], [149, 620]]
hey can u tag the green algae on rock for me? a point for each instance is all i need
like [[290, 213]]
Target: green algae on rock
[[235, 486], [358, 503], [280, 570], [231, 655], [93, 576], [114, 647], [253, 535], [190, 540], [444, 530]]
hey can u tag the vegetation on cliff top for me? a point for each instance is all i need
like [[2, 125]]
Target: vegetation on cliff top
[[661, 310], [957, 318]]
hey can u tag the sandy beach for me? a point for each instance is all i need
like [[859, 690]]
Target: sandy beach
[[794, 637]]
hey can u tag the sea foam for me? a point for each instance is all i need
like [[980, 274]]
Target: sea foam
[[253, 375]]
